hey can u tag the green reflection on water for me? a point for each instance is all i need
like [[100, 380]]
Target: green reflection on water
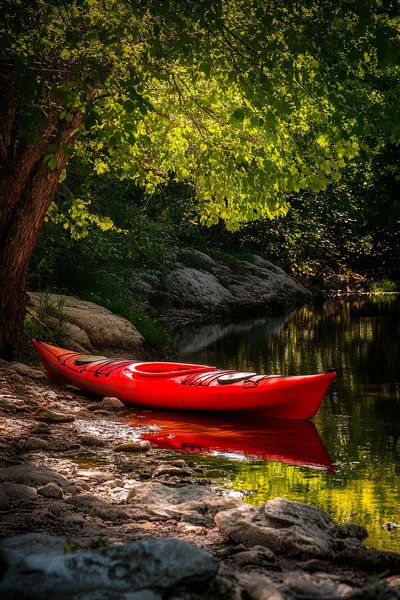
[[358, 422]]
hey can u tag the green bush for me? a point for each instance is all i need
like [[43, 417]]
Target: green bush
[[383, 286]]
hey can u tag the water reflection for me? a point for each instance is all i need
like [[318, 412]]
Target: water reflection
[[358, 421], [193, 338], [244, 438]]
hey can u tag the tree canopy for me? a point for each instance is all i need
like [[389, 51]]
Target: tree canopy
[[249, 101]]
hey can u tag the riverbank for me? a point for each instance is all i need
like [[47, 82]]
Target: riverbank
[[71, 470]]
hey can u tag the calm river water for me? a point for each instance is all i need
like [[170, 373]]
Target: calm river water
[[348, 460]]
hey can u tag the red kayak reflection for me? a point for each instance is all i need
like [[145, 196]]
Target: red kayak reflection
[[284, 440]]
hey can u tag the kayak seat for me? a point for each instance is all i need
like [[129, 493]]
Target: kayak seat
[[234, 377], [86, 359]]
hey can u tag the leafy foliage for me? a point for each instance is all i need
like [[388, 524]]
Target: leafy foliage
[[250, 102], [383, 286], [352, 227], [102, 265]]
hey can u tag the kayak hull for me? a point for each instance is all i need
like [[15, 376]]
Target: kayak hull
[[178, 386]]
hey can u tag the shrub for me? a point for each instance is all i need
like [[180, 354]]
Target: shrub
[[383, 286]]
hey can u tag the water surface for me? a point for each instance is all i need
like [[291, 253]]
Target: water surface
[[348, 462]]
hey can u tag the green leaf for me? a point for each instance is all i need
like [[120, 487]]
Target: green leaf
[[238, 115], [129, 106]]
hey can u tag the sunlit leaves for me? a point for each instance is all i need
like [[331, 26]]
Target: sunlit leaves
[[78, 220], [247, 101]]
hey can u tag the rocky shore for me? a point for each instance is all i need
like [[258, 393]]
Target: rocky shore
[[88, 512]]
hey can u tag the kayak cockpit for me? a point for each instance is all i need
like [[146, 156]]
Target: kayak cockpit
[[167, 369]]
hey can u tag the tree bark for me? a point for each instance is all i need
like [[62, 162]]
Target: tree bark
[[24, 201]]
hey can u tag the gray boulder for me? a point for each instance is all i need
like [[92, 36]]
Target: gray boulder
[[36, 562], [288, 528], [191, 288], [96, 507], [190, 503], [91, 326], [238, 285]]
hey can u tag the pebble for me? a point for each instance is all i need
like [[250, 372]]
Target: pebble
[[182, 464], [51, 490], [185, 527], [27, 371], [90, 440], [262, 588], [16, 494], [74, 519], [84, 413], [16, 377], [98, 476], [117, 483], [258, 555], [134, 446], [7, 405], [36, 443], [112, 403], [170, 470], [40, 429], [52, 416], [82, 484]]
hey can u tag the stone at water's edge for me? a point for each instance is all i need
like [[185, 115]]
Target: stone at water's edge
[[91, 326], [37, 562], [288, 528], [190, 503]]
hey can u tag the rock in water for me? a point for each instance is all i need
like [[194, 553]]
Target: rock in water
[[191, 288], [42, 566]]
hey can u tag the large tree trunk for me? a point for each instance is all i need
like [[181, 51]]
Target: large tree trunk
[[27, 188]]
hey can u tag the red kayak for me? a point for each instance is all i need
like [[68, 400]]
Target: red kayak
[[244, 437], [179, 386]]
